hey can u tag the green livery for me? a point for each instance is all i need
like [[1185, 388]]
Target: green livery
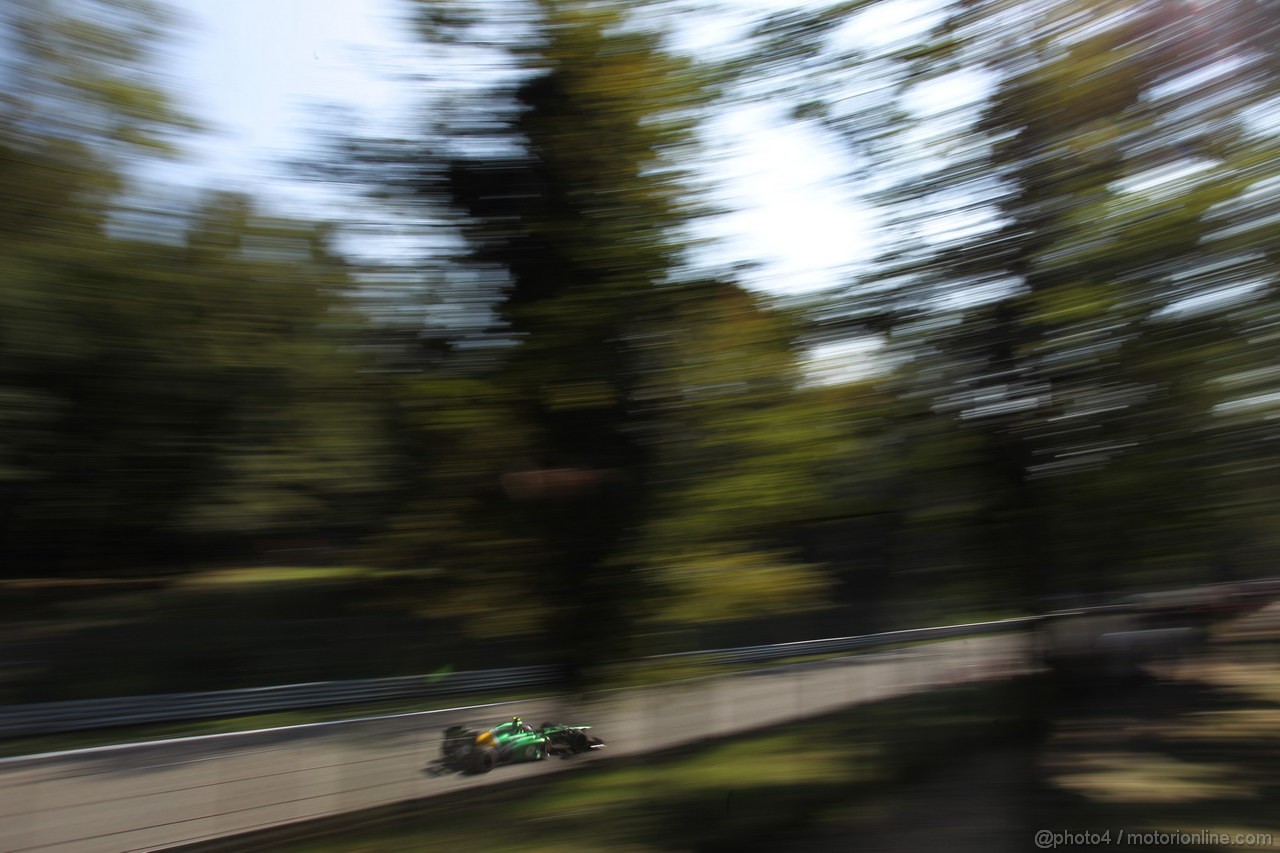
[[512, 742]]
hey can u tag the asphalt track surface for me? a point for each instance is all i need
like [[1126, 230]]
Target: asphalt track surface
[[155, 796]]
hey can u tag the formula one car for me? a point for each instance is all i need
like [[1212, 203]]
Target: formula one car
[[511, 742]]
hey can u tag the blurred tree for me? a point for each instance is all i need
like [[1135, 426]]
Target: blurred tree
[[85, 73], [582, 423], [76, 109], [302, 450], [1067, 300], [577, 206], [192, 390], [172, 376], [744, 452]]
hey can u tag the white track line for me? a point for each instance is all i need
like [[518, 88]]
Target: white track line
[[92, 750]]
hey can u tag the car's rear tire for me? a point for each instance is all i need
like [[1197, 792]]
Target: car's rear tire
[[484, 760], [457, 740]]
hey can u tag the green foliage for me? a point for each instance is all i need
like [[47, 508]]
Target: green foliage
[[172, 387], [568, 428], [1074, 345], [724, 583], [742, 449], [633, 416], [158, 391]]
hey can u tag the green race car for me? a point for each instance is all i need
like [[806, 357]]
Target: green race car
[[511, 742]]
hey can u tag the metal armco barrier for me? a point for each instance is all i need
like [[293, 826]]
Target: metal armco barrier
[[165, 794], [49, 717], [808, 648], [52, 717]]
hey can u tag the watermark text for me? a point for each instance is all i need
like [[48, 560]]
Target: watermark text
[[1048, 839]]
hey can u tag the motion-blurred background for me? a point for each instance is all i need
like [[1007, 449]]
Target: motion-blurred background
[[571, 332], [369, 338]]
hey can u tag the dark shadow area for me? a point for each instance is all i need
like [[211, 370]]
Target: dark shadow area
[[1195, 751]]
